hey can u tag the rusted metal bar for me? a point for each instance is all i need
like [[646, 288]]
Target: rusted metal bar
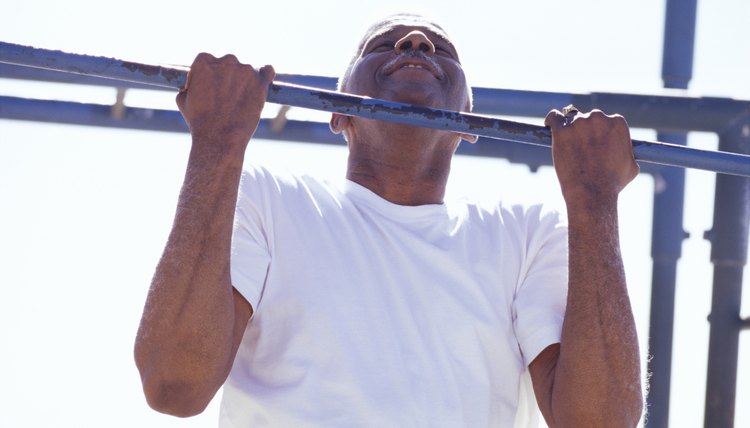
[[376, 109], [667, 113]]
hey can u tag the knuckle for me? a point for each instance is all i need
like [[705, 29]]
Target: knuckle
[[620, 119], [554, 118], [245, 68], [268, 70], [229, 58], [204, 57]]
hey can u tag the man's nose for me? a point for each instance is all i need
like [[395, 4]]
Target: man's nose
[[415, 40]]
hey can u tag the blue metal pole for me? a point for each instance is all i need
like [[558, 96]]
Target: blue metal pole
[[74, 113], [729, 252], [666, 249], [352, 105], [679, 41], [667, 224], [674, 113]]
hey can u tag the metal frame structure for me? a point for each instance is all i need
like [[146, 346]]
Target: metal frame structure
[[672, 116], [666, 250], [366, 107]]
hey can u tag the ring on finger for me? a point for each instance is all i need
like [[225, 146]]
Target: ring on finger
[[570, 111]]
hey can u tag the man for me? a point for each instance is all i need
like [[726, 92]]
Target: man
[[377, 304]]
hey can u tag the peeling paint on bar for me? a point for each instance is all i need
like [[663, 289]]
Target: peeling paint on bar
[[90, 65], [347, 104]]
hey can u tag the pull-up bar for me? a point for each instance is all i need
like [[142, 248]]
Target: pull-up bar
[[371, 108]]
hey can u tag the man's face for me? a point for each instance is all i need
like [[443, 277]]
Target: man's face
[[412, 61]]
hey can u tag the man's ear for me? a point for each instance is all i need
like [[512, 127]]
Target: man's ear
[[338, 123]]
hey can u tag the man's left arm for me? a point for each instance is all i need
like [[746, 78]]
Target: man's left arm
[[592, 377]]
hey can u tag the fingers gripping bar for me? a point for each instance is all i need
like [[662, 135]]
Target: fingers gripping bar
[[371, 108]]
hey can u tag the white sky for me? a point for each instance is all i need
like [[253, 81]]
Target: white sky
[[86, 211]]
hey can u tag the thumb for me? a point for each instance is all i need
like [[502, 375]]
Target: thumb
[[554, 120], [267, 74], [180, 100], [182, 94], [469, 138]]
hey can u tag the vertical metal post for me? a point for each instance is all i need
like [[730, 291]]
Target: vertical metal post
[[729, 239], [667, 229], [679, 41], [666, 250]]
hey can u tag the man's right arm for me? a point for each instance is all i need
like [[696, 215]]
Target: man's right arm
[[193, 319]]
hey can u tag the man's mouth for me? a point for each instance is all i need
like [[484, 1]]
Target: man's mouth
[[411, 61]]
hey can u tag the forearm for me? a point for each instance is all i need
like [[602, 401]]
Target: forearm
[[184, 346], [598, 370]]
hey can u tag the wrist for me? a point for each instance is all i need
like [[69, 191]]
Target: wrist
[[220, 135], [590, 206], [218, 149]]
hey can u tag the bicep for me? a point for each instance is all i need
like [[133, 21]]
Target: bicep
[[542, 371], [242, 313]]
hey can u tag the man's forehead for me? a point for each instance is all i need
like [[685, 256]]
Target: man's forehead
[[398, 22]]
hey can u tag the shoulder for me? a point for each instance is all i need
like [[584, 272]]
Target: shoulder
[[258, 177], [510, 215], [263, 186], [532, 217]]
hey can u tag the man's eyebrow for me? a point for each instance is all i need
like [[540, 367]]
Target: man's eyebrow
[[377, 35], [387, 32]]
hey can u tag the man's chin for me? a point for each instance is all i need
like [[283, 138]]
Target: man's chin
[[418, 95]]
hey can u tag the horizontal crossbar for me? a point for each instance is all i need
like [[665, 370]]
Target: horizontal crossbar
[[371, 108], [101, 115]]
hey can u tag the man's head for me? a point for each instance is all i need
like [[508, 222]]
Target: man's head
[[407, 58], [388, 32]]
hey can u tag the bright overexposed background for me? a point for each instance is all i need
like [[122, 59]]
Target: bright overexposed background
[[85, 211]]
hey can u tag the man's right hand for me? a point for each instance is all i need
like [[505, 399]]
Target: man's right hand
[[193, 319], [223, 99]]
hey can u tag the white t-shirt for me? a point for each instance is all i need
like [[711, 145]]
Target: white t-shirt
[[371, 314]]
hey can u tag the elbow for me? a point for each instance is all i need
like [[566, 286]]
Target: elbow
[[636, 412], [630, 406], [177, 398], [174, 393], [624, 413]]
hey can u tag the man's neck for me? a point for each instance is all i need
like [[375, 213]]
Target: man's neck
[[402, 164]]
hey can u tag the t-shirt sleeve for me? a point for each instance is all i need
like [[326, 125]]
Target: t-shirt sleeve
[[542, 289], [250, 255]]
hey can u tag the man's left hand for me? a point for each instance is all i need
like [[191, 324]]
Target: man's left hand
[[592, 154]]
